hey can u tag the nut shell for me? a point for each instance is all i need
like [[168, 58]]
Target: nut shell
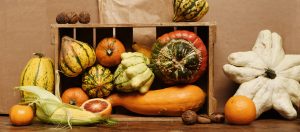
[[62, 18], [84, 17], [189, 117], [73, 17]]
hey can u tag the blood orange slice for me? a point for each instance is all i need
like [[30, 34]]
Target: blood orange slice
[[98, 106]]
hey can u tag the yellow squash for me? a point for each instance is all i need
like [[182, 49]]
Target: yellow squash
[[171, 101], [39, 71]]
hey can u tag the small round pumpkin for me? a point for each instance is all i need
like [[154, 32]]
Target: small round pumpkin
[[74, 96], [108, 52]]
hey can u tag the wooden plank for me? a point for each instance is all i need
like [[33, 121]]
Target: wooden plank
[[173, 24], [120, 117], [94, 38], [212, 102], [55, 42], [261, 125]]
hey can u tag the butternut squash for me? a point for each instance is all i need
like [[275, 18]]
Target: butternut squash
[[171, 101]]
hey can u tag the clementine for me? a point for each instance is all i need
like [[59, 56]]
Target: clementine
[[21, 115], [240, 110]]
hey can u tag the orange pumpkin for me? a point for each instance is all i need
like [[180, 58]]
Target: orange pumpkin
[[74, 96], [108, 52]]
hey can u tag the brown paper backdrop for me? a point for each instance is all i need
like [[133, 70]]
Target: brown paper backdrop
[[25, 28]]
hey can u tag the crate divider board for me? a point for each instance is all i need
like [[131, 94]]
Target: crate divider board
[[94, 33]]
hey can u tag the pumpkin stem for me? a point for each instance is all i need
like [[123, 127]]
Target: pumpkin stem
[[40, 55], [270, 73], [109, 52], [72, 102]]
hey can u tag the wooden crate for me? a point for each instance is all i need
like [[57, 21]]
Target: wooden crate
[[93, 33]]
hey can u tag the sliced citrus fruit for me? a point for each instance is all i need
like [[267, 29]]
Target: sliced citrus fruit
[[98, 106]]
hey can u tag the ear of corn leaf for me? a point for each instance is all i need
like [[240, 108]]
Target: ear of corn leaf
[[50, 109]]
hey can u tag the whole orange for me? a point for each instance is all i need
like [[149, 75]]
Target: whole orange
[[240, 110], [21, 115]]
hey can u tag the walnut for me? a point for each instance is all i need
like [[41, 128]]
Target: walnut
[[84, 17], [62, 18], [73, 17], [189, 117]]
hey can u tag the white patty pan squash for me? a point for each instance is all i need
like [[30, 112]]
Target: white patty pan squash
[[267, 75]]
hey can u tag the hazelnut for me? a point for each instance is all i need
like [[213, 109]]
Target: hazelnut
[[217, 117], [189, 117], [84, 17], [73, 17], [62, 18]]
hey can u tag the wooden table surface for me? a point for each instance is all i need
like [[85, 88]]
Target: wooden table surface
[[264, 125]]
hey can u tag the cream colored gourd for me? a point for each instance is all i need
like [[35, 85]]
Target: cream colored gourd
[[267, 75]]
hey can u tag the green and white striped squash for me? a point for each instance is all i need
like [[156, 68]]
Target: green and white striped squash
[[75, 56], [39, 71], [189, 10], [97, 81]]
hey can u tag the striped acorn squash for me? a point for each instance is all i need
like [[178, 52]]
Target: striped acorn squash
[[189, 10], [75, 56], [39, 71], [178, 57], [97, 81]]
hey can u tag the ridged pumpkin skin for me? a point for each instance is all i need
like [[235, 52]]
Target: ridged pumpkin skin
[[108, 52], [39, 71], [75, 56], [189, 10], [97, 82], [179, 57], [171, 101]]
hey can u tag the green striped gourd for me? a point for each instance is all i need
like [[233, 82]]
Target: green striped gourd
[[97, 81], [39, 71], [179, 57], [189, 10], [75, 56], [133, 74]]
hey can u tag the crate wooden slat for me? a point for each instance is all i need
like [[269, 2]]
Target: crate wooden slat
[[93, 33]]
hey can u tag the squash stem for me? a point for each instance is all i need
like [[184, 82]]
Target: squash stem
[[270, 73], [40, 55]]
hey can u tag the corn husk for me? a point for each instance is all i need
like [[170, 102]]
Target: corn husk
[[50, 109]]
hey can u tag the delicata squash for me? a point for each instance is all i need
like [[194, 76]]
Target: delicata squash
[[267, 75]]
